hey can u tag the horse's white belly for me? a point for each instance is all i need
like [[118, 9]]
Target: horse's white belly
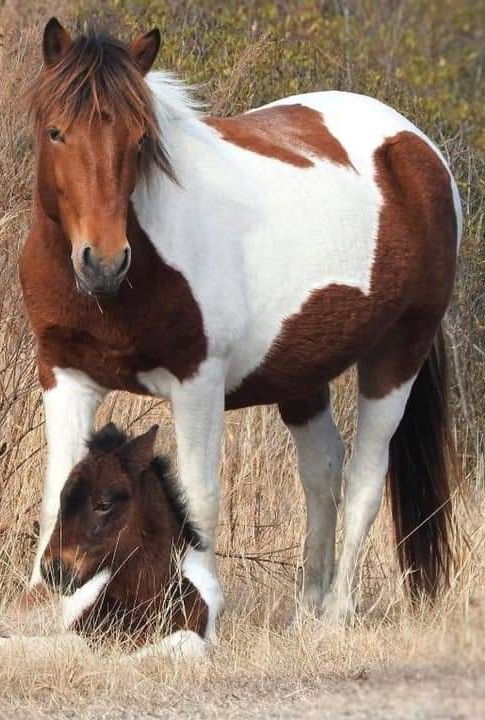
[[317, 227]]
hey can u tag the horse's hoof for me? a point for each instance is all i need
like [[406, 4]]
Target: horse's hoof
[[307, 610], [337, 611]]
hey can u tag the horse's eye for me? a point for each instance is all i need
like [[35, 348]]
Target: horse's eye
[[55, 134], [142, 140], [104, 507]]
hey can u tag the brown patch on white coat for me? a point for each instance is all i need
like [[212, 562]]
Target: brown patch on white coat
[[293, 134]]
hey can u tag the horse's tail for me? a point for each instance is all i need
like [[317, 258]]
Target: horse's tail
[[421, 457]]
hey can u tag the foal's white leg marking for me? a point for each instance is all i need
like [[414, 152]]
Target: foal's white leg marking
[[320, 456], [180, 645], [377, 423], [70, 407], [198, 410], [73, 607]]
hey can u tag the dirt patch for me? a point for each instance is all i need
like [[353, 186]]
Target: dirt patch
[[427, 692]]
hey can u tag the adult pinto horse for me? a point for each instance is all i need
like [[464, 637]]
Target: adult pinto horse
[[228, 262]]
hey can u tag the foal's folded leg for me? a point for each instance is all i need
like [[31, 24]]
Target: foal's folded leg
[[32, 628], [41, 647], [180, 645], [31, 613]]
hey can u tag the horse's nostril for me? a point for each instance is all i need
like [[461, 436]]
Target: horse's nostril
[[56, 569], [87, 256], [51, 572], [125, 262], [45, 571]]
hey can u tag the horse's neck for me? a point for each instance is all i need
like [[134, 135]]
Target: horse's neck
[[176, 216], [164, 538]]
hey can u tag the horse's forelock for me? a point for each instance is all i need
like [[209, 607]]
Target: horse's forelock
[[106, 440]]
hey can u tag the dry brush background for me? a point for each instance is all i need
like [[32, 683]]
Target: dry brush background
[[425, 58]]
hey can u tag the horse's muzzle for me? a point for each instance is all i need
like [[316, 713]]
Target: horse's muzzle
[[99, 276], [59, 577]]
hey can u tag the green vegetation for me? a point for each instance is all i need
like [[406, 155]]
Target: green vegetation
[[425, 57]]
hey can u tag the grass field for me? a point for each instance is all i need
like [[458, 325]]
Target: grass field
[[427, 59]]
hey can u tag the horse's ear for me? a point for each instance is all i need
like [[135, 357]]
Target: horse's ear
[[139, 451], [55, 43], [145, 49]]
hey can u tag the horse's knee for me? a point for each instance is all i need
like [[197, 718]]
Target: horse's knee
[[334, 457]]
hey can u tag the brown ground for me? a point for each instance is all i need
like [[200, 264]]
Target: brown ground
[[427, 692]]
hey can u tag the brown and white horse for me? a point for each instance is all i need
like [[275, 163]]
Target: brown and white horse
[[240, 261]]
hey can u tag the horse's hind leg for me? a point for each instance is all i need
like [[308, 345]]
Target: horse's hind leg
[[386, 377], [378, 420], [320, 456]]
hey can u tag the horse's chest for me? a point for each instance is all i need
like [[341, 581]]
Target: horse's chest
[[115, 353]]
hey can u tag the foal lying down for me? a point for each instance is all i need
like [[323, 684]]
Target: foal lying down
[[117, 552]]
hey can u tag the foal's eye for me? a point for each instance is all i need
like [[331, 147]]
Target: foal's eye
[[55, 134], [104, 507]]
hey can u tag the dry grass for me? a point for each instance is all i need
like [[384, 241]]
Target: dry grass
[[261, 521]]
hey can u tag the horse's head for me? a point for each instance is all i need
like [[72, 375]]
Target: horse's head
[[110, 513], [96, 130]]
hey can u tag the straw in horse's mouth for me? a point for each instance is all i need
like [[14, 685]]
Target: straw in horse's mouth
[[81, 287], [100, 294]]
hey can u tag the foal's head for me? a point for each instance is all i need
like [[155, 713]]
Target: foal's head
[[119, 512], [96, 130]]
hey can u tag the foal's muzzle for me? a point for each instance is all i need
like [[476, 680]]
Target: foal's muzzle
[[99, 276], [59, 577]]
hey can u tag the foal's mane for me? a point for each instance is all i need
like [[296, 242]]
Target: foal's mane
[[110, 438], [99, 77], [177, 500]]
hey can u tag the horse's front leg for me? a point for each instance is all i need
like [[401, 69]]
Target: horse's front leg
[[70, 406], [198, 410]]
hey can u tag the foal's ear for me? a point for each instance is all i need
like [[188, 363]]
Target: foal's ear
[[145, 49], [139, 451], [55, 43]]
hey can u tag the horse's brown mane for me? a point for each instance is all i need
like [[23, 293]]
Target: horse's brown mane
[[99, 77]]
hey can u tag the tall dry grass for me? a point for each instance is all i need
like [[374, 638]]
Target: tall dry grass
[[262, 514]]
